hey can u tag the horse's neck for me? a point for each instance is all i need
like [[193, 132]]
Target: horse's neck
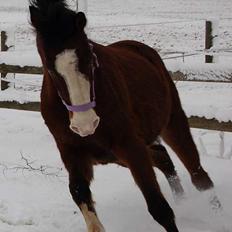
[[49, 91]]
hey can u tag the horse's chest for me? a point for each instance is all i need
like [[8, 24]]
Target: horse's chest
[[104, 157]]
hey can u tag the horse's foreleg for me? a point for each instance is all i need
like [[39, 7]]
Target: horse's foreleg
[[80, 175], [163, 162], [136, 156], [81, 194]]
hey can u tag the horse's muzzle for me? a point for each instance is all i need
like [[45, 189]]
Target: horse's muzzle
[[86, 128]]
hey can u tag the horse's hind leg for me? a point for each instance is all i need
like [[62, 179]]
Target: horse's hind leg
[[162, 161], [177, 135], [136, 157]]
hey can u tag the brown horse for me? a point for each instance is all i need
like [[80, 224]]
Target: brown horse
[[109, 104]]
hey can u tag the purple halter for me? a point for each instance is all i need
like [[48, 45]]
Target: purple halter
[[86, 106], [91, 104], [80, 108]]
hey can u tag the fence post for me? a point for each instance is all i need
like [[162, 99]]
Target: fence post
[[77, 6], [4, 47], [208, 40], [82, 5]]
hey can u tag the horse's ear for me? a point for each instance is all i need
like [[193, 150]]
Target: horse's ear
[[35, 15], [80, 21]]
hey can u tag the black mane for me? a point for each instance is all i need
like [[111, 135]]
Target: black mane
[[52, 19]]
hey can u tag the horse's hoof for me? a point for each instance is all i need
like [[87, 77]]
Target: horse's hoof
[[201, 180]]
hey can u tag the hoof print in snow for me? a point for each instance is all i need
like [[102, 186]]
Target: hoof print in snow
[[14, 217]]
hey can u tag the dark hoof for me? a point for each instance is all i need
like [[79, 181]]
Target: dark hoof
[[162, 213], [173, 228], [201, 180]]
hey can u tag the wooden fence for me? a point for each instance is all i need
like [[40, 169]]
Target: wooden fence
[[3, 47], [195, 122], [176, 76]]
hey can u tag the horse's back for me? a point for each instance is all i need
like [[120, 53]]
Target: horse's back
[[139, 49]]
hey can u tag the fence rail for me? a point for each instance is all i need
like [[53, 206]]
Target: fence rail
[[194, 121], [176, 76], [6, 68]]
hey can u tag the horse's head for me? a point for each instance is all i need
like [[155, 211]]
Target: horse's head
[[68, 58]]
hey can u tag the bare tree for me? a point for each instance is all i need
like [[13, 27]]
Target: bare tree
[[30, 166]]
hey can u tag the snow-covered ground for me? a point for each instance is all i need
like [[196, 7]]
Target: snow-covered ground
[[174, 25], [36, 201]]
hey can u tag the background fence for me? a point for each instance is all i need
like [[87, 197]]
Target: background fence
[[196, 122]]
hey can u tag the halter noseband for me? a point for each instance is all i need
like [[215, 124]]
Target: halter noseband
[[87, 106], [80, 108]]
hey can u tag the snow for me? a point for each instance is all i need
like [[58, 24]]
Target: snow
[[170, 28], [34, 201], [21, 96], [28, 58], [207, 100], [214, 71]]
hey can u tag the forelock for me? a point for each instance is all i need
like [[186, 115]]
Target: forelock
[[55, 22]]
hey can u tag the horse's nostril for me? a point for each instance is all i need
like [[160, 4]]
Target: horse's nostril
[[85, 129], [95, 123], [75, 129]]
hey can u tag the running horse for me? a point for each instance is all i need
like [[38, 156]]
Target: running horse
[[108, 104]]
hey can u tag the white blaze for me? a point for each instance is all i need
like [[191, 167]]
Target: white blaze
[[78, 86], [66, 64]]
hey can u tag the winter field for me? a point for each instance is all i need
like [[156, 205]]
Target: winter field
[[34, 197], [34, 194]]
